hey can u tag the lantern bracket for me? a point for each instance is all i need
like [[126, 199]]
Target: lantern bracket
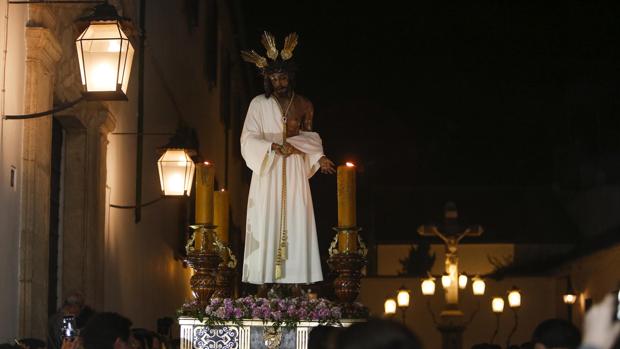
[[56, 109]]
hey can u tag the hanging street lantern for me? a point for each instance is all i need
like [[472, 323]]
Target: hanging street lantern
[[428, 286], [403, 297], [478, 286], [497, 304], [514, 297], [176, 172], [463, 281], [105, 55], [389, 307]]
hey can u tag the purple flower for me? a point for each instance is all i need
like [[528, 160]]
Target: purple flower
[[337, 312], [221, 313], [303, 313], [324, 313], [276, 315], [291, 311], [215, 301], [313, 315], [238, 313], [256, 313]]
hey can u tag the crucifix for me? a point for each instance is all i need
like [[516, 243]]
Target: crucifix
[[451, 233]]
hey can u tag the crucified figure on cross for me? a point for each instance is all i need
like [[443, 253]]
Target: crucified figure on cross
[[451, 234]]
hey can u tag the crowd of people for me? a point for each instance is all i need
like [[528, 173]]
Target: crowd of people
[[601, 330], [109, 330]]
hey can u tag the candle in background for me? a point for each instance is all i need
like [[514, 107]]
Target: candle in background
[[346, 196], [205, 176], [220, 217]]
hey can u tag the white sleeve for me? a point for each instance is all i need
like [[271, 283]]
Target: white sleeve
[[256, 151]]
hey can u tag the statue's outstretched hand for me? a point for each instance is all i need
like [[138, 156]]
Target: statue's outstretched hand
[[327, 166]]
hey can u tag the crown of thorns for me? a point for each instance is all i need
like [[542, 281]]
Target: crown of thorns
[[269, 42]]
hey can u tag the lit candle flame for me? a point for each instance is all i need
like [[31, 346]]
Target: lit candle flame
[[350, 164], [207, 163]]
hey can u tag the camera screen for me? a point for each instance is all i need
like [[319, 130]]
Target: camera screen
[[68, 327], [617, 305]]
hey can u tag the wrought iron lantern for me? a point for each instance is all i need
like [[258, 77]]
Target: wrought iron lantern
[[176, 172], [105, 55]]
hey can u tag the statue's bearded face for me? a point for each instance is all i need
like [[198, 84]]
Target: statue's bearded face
[[280, 83]]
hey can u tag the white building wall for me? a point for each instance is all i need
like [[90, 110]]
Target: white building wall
[[11, 102]]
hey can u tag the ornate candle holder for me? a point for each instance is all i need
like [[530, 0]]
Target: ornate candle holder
[[225, 271], [204, 259], [347, 257]]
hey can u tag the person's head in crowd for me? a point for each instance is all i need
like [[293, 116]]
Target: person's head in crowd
[[164, 325], [323, 337], [106, 331], [8, 346], [556, 334], [377, 334], [74, 305], [146, 338]]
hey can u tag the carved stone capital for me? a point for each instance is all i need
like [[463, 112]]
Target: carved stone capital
[[42, 47]]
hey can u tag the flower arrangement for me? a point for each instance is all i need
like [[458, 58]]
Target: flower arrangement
[[280, 311]]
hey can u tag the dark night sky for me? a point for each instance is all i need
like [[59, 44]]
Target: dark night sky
[[485, 94]]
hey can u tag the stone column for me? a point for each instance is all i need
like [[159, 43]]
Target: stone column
[[42, 53]]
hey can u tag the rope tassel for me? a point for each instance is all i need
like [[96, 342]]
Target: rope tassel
[[282, 252]]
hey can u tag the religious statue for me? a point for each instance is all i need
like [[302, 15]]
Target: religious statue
[[279, 146]]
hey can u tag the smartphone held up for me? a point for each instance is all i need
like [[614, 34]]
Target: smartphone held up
[[69, 329]]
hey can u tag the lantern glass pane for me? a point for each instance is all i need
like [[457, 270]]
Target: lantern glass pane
[[478, 287], [497, 305], [514, 299], [176, 168], [570, 298], [126, 59], [389, 306], [428, 287], [403, 298], [463, 281], [105, 57]]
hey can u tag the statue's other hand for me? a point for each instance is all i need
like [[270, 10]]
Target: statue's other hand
[[327, 166]]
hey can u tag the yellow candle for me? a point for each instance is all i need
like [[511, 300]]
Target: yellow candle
[[346, 195], [220, 217], [205, 175]]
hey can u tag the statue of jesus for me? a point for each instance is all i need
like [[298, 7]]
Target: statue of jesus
[[279, 146]]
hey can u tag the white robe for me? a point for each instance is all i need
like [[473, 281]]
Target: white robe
[[262, 127]]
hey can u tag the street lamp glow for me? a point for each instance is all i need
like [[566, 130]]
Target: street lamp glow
[[176, 171], [497, 304], [105, 55], [478, 286], [569, 298], [403, 297], [389, 306], [428, 287], [463, 281], [446, 280], [514, 298]]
